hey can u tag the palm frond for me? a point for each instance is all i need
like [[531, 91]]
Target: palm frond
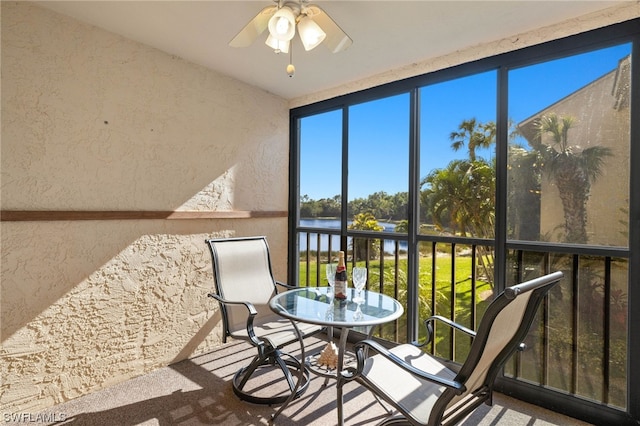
[[592, 160]]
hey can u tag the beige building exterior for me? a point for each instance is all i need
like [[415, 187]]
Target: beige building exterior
[[601, 118], [95, 122]]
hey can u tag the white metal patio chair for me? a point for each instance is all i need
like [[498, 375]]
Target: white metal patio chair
[[244, 285], [426, 391]]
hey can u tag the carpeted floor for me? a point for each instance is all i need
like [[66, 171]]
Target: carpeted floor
[[198, 391]]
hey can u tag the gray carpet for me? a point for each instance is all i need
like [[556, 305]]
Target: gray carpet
[[198, 391]]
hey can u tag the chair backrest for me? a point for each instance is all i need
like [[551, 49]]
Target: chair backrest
[[502, 329], [242, 273]]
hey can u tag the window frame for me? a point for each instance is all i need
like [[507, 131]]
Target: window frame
[[625, 32]]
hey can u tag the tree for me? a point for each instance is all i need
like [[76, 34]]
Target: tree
[[309, 207], [461, 197], [330, 207], [573, 171], [523, 192], [381, 204], [474, 135], [366, 222], [400, 202], [402, 226]]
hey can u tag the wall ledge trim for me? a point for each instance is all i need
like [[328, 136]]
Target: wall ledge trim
[[74, 215]]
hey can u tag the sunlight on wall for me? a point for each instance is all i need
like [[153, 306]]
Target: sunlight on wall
[[217, 195], [115, 323], [95, 122]]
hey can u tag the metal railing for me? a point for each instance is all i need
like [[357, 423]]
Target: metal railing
[[578, 344]]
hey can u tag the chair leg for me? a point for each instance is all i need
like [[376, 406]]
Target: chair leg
[[243, 375], [285, 369], [246, 372]]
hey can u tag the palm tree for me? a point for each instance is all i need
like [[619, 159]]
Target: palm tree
[[474, 134], [523, 193], [572, 171], [461, 197]]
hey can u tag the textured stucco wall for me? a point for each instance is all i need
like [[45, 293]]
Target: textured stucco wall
[[93, 121]]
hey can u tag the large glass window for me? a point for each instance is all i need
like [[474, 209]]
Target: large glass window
[[320, 182], [457, 156], [321, 165], [569, 154], [379, 163], [522, 167], [568, 182], [457, 199]]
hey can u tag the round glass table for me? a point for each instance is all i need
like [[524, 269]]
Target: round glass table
[[316, 305]]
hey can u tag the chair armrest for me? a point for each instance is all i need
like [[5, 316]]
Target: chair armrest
[[286, 286], [360, 349], [429, 324], [252, 310], [521, 347], [252, 313]]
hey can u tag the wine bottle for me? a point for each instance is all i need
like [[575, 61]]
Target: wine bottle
[[341, 278]]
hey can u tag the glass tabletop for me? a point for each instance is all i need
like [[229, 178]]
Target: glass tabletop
[[316, 306]]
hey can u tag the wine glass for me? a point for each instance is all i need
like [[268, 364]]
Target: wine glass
[[331, 275], [359, 275], [358, 315]]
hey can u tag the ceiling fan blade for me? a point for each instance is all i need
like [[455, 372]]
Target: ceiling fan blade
[[337, 40], [254, 28]]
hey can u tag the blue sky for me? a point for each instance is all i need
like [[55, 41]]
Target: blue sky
[[379, 130]]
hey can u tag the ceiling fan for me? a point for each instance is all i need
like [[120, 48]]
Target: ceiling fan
[[314, 26]]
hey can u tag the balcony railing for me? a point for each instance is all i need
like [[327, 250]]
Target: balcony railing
[[578, 344]]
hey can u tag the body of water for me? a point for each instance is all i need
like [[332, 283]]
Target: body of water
[[389, 245]]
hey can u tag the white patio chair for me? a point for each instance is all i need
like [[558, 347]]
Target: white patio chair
[[244, 285], [427, 391]]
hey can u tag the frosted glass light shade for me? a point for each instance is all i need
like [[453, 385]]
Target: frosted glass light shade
[[310, 33], [277, 45], [282, 24]]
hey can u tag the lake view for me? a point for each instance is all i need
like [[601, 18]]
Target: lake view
[[389, 246]]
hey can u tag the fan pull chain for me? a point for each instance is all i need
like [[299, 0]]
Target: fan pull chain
[[291, 70]]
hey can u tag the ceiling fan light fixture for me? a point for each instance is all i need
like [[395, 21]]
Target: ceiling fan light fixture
[[278, 46], [283, 19], [310, 33], [282, 24]]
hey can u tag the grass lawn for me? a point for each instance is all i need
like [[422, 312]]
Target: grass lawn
[[392, 280]]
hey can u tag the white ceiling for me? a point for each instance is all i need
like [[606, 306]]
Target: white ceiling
[[386, 34]]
